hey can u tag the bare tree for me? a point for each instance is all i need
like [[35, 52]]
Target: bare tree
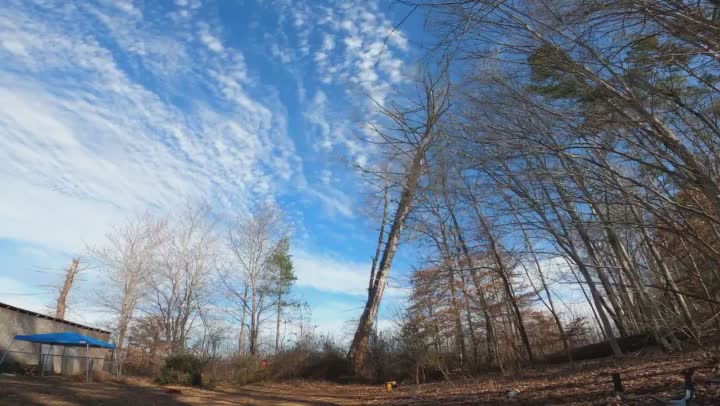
[[410, 140], [283, 279], [126, 261], [181, 275], [250, 278], [582, 132]]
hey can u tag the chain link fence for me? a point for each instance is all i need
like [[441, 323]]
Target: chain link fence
[[51, 363]]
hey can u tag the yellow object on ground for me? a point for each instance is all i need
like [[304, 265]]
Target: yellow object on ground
[[390, 385]]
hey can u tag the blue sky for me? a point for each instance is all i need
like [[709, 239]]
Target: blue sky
[[114, 107]]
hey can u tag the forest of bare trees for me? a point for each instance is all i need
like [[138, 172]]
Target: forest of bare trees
[[554, 171], [561, 148]]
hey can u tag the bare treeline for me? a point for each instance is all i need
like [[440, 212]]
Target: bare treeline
[[190, 282], [576, 150]]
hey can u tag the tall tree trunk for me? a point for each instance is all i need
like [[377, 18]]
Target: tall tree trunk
[[277, 323], [359, 347], [579, 226], [491, 338], [253, 322], [660, 262], [503, 272], [550, 304], [469, 318], [645, 310], [65, 291], [459, 336], [241, 339], [491, 343], [418, 140], [569, 247], [123, 323], [381, 233]]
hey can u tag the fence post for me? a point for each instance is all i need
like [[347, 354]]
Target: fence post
[[7, 350], [87, 361]]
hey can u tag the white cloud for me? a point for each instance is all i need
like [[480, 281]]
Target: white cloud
[[84, 143], [329, 274], [569, 299], [326, 177], [54, 219], [92, 129], [328, 42], [370, 44], [34, 251], [284, 55], [331, 131], [163, 55], [315, 114], [23, 295], [14, 47], [335, 200], [127, 7], [211, 41], [358, 50], [38, 299], [336, 318]]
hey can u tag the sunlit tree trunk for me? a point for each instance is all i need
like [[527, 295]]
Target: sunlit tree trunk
[[418, 143]]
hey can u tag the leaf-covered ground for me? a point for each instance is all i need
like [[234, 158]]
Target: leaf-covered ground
[[589, 383]]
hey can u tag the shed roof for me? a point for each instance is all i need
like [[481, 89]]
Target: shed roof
[[45, 316]]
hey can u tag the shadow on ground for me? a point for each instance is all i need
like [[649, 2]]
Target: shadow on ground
[[44, 391]]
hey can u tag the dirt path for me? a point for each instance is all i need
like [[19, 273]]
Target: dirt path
[[33, 391], [588, 384]]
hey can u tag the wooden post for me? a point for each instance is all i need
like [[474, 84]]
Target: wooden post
[[617, 383], [62, 361]]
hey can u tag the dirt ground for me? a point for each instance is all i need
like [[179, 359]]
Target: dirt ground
[[588, 384]]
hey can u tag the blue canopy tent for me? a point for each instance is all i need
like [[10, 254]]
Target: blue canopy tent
[[67, 339]]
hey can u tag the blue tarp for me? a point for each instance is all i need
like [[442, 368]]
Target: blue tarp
[[68, 339]]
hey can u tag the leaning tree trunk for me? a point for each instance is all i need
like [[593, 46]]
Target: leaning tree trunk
[[567, 245], [359, 347], [418, 141]]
